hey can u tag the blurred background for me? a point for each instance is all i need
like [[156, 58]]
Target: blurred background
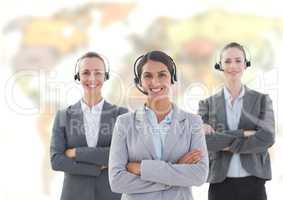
[[41, 40]]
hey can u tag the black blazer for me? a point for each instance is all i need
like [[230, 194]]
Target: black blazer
[[83, 178]]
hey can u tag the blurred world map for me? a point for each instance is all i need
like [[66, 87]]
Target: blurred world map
[[41, 51]]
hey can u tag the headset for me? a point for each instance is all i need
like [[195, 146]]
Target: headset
[[217, 65], [153, 55], [92, 55]]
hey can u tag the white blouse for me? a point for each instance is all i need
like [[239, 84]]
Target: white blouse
[[91, 122]]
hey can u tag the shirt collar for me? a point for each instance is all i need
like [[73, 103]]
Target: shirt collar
[[96, 108], [167, 119], [228, 96]]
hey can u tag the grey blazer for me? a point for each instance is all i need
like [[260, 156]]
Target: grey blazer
[[83, 178], [159, 179], [257, 114]]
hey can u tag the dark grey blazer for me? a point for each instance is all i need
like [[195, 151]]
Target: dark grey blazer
[[83, 178], [257, 114]]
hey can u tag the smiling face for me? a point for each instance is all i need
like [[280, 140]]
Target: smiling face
[[92, 74], [233, 63], [156, 79]]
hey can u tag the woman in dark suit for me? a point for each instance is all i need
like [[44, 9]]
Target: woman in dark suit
[[239, 127], [82, 134]]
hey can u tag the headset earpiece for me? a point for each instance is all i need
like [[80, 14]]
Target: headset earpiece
[[77, 77], [217, 66], [174, 75], [248, 63], [107, 66], [106, 76], [136, 80]]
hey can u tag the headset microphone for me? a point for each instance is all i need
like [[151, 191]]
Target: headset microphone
[[140, 89]]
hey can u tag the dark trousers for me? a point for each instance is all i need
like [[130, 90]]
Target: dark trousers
[[246, 188]]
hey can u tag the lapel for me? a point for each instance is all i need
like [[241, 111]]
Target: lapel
[[143, 133], [175, 131], [105, 125], [249, 100], [77, 123], [220, 107], [220, 111]]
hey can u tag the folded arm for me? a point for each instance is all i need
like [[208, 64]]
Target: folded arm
[[92, 155], [264, 135], [180, 174], [122, 181], [59, 161], [216, 141]]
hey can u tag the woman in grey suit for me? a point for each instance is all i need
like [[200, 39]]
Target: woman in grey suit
[[158, 151], [82, 134], [239, 127]]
